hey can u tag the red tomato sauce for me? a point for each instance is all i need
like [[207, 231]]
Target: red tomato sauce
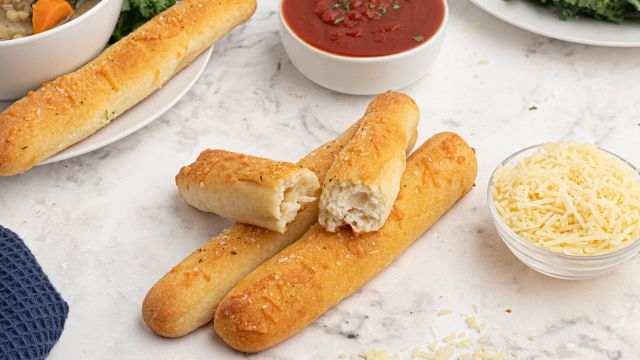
[[364, 28]]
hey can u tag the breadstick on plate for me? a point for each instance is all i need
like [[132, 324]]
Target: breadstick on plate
[[362, 185], [188, 295], [248, 189], [74, 106], [292, 289]]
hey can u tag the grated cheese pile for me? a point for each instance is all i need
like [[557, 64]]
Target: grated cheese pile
[[458, 345], [570, 198]]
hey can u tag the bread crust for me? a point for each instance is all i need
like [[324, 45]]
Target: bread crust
[[248, 189], [74, 106], [370, 166], [292, 289], [187, 296]]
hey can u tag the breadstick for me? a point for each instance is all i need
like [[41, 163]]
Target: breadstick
[[292, 289], [187, 296], [248, 189], [74, 106], [360, 188]]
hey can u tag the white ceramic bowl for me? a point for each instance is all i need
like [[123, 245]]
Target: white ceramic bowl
[[362, 75], [31, 61]]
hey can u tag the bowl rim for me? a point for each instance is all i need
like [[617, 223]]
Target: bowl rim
[[499, 222], [368, 59], [57, 29]]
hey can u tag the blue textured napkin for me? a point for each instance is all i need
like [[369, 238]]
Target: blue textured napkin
[[32, 313]]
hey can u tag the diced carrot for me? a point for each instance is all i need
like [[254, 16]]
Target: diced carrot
[[48, 14]]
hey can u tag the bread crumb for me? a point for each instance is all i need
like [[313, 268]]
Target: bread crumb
[[296, 95]]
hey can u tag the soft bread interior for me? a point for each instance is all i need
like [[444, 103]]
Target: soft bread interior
[[358, 205], [293, 193]]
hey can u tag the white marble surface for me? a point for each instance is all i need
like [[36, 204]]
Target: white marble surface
[[107, 225]]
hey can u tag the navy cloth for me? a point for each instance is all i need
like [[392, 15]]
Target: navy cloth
[[32, 313]]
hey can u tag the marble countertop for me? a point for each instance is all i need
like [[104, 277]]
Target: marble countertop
[[105, 226]]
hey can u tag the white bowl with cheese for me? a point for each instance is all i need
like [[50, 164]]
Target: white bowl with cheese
[[540, 209]]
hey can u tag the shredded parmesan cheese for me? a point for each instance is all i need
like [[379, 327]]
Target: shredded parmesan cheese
[[458, 345], [570, 198]]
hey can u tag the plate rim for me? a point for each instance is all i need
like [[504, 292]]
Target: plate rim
[[61, 156], [482, 5]]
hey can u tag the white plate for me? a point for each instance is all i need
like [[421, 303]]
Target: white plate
[[140, 115], [544, 21]]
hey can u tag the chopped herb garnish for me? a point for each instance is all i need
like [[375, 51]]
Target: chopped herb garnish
[[379, 13], [396, 6], [532, 108], [371, 6], [233, 252], [347, 5], [383, 10], [336, 6], [337, 21], [418, 38]]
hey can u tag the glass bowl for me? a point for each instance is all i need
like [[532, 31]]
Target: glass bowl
[[547, 262]]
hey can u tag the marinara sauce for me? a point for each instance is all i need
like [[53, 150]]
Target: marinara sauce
[[364, 28]]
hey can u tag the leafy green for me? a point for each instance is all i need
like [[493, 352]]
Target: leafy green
[[134, 13], [610, 10]]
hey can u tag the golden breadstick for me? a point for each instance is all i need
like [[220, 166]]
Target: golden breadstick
[[74, 106], [247, 189], [360, 188], [292, 289]]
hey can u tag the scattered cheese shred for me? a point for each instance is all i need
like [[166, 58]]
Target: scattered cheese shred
[[376, 355], [472, 27], [458, 345], [433, 332], [444, 312], [570, 198]]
